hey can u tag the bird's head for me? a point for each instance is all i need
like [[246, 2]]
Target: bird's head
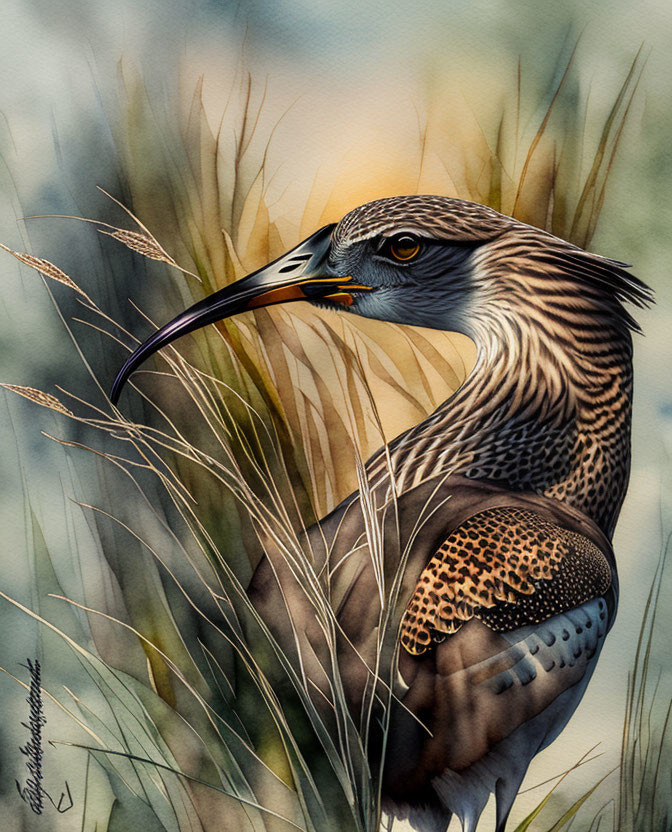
[[420, 260]]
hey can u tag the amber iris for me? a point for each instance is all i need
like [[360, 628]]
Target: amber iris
[[404, 247]]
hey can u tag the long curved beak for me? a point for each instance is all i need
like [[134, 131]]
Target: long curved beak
[[301, 274]]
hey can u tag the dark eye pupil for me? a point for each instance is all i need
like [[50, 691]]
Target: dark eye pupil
[[404, 247]]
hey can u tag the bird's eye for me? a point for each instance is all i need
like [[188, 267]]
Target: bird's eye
[[403, 247]]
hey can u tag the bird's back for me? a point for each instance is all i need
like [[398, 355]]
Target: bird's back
[[499, 602]]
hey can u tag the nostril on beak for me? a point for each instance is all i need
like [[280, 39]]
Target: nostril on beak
[[294, 263]]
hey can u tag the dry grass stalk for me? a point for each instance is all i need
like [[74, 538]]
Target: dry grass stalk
[[47, 269], [39, 397], [140, 243], [145, 243]]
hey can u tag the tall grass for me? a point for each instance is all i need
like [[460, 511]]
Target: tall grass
[[241, 437], [644, 800]]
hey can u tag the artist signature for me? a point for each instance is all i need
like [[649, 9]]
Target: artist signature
[[32, 791]]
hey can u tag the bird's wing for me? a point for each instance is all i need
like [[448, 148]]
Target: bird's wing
[[507, 566]]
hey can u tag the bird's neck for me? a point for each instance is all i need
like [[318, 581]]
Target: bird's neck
[[551, 415]]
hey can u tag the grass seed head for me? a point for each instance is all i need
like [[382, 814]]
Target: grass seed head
[[140, 243], [46, 268], [39, 397]]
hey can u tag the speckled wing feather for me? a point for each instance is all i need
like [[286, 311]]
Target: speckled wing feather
[[507, 567]]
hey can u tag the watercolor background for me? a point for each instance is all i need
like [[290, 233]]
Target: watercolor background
[[355, 76]]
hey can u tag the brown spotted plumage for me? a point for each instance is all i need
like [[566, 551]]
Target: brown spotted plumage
[[487, 566]]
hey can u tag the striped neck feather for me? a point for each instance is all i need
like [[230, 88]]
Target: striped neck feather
[[547, 407]]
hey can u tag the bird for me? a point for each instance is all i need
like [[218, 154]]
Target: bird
[[497, 511]]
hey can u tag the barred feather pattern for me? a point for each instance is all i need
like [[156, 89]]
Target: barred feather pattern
[[547, 407], [437, 217]]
